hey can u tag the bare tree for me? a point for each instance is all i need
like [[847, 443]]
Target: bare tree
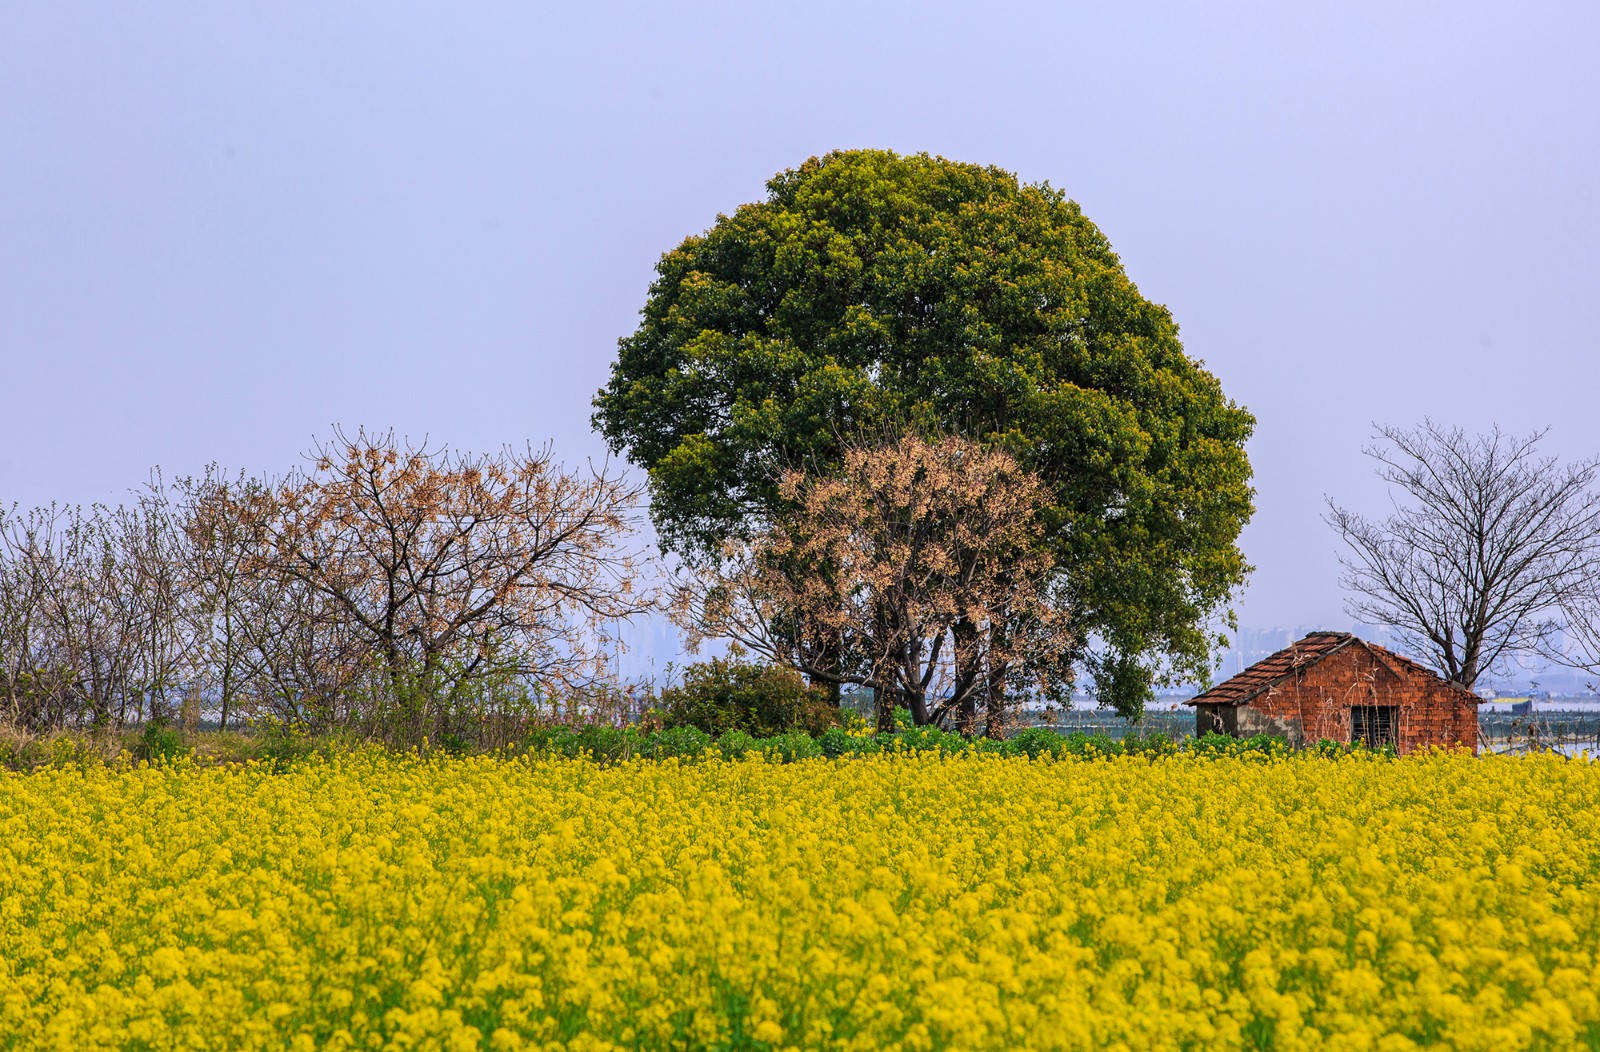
[[228, 615], [389, 589], [90, 614], [451, 568], [1581, 649], [22, 628], [1580, 642], [906, 572], [1486, 541], [147, 589]]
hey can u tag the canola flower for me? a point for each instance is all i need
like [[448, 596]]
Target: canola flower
[[926, 901]]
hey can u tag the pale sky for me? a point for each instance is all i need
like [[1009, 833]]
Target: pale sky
[[225, 227]]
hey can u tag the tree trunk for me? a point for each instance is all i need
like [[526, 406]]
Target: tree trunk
[[969, 665], [918, 704], [884, 702], [227, 691], [994, 716]]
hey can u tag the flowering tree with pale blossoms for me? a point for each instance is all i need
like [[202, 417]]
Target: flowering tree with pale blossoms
[[914, 570]]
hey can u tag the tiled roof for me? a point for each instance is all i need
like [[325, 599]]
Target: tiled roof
[[1269, 670], [1296, 656]]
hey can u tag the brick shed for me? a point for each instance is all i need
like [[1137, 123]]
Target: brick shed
[[1336, 685]]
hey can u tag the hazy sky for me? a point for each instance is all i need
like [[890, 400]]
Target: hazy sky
[[224, 227]]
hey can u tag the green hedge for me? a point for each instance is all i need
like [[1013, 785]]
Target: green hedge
[[611, 744], [607, 744]]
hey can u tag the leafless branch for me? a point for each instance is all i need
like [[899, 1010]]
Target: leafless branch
[[1485, 543]]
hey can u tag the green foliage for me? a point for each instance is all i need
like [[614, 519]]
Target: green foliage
[[1035, 742], [688, 742], [1152, 746], [605, 744], [610, 744], [836, 742], [791, 746], [84, 752], [931, 739], [545, 739], [408, 703], [1260, 746], [1331, 748], [1032, 742], [282, 748], [158, 741], [1079, 743], [281, 745], [720, 696], [873, 290], [735, 744]]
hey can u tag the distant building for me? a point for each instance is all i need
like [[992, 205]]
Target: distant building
[[1335, 685]]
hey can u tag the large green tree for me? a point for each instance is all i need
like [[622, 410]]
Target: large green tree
[[870, 289]]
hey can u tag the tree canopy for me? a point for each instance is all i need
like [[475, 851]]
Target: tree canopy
[[870, 288]]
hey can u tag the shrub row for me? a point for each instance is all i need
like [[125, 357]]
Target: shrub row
[[612, 744], [609, 745]]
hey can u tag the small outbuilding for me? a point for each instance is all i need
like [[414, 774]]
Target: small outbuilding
[[1338, 686]]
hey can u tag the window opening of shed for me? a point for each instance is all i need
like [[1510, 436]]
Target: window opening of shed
[[1375, 725]]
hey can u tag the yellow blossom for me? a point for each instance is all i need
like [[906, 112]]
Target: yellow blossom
[[902, 900]]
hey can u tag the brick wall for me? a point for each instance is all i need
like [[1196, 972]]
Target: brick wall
[[1315, 703]]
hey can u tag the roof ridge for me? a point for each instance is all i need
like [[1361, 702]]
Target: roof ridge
[[1248, 682], [1309, 649]]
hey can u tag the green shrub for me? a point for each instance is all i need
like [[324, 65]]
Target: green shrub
[[835, 742], [604, 743], [686, 742], [1331, 748], [1387, 750], [1035, 742], [720, 696], [552, 739], [931, 739], [1091, 745], [158, 741], [281, 746], [997, 746], [1150, 746], [735, 744], [71, 749], [795, 745], [1260, 746]]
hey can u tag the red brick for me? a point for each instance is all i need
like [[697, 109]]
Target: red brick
[[1305, 692]]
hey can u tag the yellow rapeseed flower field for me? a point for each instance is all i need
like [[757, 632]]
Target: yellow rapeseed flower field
[[918, 902]]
